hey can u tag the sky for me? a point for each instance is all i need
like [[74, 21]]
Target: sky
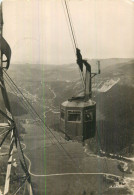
[[38, 33]]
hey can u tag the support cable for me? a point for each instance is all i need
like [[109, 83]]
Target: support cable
[[69, 28], [73, 37], [26, 106], [58, 142]]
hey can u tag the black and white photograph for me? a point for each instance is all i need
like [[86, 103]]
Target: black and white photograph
[[66, 97]]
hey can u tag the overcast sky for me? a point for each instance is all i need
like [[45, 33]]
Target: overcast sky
[[37, 30]]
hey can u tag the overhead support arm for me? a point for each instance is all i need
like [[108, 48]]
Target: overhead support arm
[[88, 76]]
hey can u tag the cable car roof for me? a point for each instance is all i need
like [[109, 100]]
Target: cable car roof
[[78, 104]]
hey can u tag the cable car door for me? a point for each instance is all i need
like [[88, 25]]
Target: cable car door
[[89, 125]]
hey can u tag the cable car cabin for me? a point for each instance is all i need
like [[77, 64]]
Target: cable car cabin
[[78, 114], [78, 119]]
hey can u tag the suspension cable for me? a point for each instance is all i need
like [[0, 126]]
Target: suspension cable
[[71, 22], [73, 37], [58, 142], [74, 163], [71, 156], [32, 112], [26, 106], [69, 27], [24, 103]]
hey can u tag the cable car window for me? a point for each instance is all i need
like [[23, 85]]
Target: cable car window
[[88, 115], [74, 116], [62, 114]]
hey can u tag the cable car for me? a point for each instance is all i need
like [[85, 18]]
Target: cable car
[[78, 114], [78, 119]]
